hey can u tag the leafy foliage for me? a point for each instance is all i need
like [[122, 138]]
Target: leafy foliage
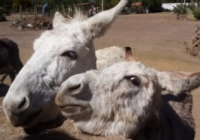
[[5, 6], [152, 5], [190, 14], [52, 3], [192, 11], [1, 12], [114, 2], [180, 9], [196, 13]]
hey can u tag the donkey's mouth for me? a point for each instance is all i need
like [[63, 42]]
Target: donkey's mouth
[[74, 111], [38, 128], [70, 109], [23, 119], [68, 106], [32, 117]]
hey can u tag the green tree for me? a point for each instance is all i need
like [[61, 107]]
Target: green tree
[[5, 6], [114, 2], [81, 1]]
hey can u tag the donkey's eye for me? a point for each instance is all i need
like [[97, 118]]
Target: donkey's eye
[[134, 80], [70, 54]]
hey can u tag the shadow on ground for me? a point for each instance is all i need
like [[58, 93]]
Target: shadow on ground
[[51, 135], [3, 89]]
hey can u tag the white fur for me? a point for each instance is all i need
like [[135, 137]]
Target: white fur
[[108, 56], [35, 86], [108, 102]]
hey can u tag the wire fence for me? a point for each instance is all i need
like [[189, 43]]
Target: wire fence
[[36, 11]]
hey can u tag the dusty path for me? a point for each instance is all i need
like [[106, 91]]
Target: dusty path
[[156, 39]]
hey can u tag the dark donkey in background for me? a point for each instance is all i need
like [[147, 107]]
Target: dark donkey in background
[[10, 63]]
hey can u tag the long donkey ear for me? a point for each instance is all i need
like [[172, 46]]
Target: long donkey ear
[[58, 20], [178, 82], [97, 25]]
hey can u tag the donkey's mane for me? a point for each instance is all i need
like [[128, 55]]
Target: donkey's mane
[[78, 16]]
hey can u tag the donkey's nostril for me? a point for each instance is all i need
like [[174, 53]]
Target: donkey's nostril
[[74, 87], [22, 103]]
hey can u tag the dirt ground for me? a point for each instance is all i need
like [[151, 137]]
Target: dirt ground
[[156, 40]]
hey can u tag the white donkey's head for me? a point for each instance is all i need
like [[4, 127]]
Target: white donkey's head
[[119, 99], [64, 51]]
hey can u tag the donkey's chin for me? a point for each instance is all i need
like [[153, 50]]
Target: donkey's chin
[[39, 127]]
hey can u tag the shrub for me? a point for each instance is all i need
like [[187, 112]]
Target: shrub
[[180, 9], [137, 9], [190, 14], [114, 2], [191, 5], [2, 17], [196, 13], [152, 5], [1, 14], [192, 11]]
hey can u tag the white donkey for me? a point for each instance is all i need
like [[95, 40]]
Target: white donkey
[[60, 53], [126, 99]]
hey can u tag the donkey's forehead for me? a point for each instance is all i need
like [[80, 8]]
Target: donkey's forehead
[[67, 36], [129, 68], [126, 69]]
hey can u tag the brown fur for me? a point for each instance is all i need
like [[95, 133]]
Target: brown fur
[[177, 120]]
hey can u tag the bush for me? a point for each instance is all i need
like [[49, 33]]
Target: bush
[[152, 5], [2, 17], [180, 9], [137, 9], [114, 2], [196, 13], [1, 14], [4, 11], [192, 11], [191, 5], [190, 14], [134, 9]]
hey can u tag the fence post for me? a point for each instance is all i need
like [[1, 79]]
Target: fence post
[[20, 10], [34, 12], [63, 10], [26, 12], [57, 9]]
